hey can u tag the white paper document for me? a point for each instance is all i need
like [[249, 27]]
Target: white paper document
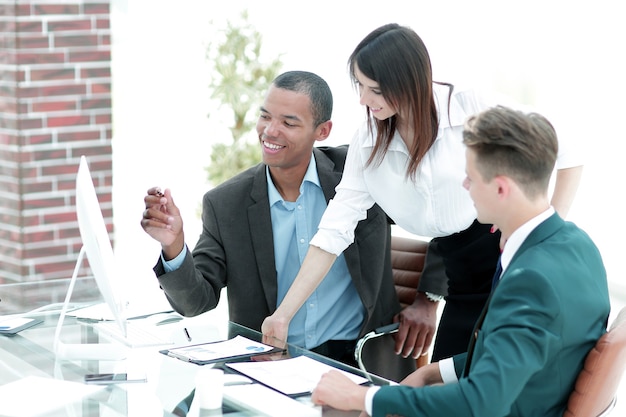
[[294, 376], [34, 395], [267, 402], [236, 347]]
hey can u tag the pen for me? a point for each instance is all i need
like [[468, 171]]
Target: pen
[[187, 334]]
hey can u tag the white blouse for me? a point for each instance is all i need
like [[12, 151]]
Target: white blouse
[[435, 203]]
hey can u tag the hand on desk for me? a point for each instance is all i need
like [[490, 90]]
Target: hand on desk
[[273, 329], [337, 391], [417, 327]]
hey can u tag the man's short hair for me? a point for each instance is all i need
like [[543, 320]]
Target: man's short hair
[[313, 86], [508, 142]]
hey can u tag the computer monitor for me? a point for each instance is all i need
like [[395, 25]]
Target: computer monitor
[[97, 248]]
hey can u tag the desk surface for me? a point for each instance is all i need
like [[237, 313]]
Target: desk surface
[[170, 382]]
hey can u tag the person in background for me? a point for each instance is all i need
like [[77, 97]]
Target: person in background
[[257, 226], [548, 307], [408, 158]]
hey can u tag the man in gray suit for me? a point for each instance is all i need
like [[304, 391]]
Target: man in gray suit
[[257, 226]]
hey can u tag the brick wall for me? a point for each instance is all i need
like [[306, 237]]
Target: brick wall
[[55, 105]]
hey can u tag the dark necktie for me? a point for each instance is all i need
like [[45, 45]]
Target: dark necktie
[[481, 318], [496, 275]]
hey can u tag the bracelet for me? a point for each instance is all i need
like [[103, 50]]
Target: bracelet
[[433, 297]]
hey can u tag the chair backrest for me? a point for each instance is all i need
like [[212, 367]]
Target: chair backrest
[[407, 261], [598, 381], [375, 351], [408, 257]]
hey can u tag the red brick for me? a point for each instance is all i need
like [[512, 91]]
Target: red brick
[[33, 41], [52, 74], [94, 150], [101, 88], [38, 139], [22, 58], [62, 90], [60, 169], [52, 106], [98, 72], [69, 41], [96, 8], [67, 121], [48, 269], [79, 136], [103, 24], [78, 24], [41, 236], [23, 27], [39, 203], [60, 9], [46, 155], [37, 187], [57, 218], [31, 123], [102, 103], [103, 119], [90, 56]]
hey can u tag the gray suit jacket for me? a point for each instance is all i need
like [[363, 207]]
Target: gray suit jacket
[[236, 250]]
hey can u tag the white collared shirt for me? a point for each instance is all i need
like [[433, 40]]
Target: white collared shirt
[[435, 204]]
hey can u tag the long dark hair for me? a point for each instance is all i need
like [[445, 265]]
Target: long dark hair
[[396, 58]]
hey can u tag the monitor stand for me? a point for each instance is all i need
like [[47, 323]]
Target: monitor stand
[[85, 351]]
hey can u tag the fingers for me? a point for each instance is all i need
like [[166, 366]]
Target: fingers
[[412, 340]]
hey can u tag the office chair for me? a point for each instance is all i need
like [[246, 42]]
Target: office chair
[[374, 352], [595, 390]]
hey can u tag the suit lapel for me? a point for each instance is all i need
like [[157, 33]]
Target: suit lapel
[[329, 178], [262, 236], [545, 229]]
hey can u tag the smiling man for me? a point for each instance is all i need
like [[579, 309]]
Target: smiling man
[[257, 227]]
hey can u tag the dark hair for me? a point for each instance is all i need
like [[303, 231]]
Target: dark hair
[[509, 142], [313, 86], [396, 58]]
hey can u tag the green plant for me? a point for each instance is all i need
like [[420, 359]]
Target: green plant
[[239, 80]]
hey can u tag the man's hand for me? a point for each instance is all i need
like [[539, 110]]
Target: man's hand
[[338, 391], [163, 222], [417, 327], [274, 328], [426, 375]]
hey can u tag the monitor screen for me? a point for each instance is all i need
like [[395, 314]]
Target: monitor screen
[[96, 242]]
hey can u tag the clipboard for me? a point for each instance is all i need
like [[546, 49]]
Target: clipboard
[[233, 349], [10, 326]]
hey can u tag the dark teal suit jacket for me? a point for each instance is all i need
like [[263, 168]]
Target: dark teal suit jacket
[[550, 307]]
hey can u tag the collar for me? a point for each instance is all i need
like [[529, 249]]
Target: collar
[[519, 236], [310, 175]]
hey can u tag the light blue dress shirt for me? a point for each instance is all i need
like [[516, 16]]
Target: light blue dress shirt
[[334, 311]]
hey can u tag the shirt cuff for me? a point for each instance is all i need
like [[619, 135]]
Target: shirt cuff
[[369, 400], [174, 264], [447, 372]]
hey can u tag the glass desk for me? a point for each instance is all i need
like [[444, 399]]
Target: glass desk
[[170, 383]]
